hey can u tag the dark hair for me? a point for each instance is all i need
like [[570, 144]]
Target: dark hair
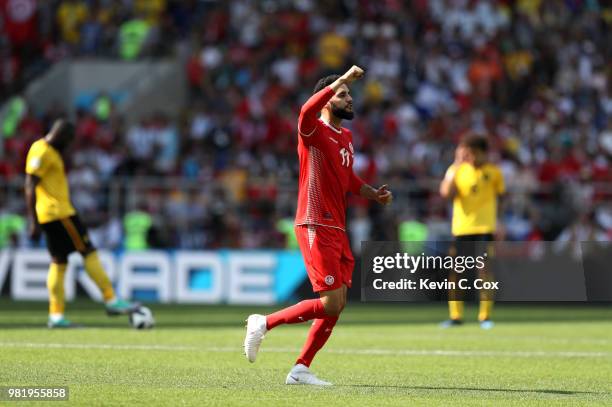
[[474, 142], [324, 82]]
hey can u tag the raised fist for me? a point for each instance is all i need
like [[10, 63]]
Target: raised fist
[[353, 74]]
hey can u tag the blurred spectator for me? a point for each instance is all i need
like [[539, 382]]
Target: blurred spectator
[[136, 226], [333, 50], [286, 226], [360, 229], [106, 232], [19, 23], [92, 32], [12, 229], [150, 10], [133, 37], [71, 14], [584, 229]]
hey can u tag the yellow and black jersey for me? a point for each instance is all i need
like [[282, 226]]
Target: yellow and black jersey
[[475, 204], [52, 194]]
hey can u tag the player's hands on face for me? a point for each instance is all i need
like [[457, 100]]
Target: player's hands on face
[[383, 195], [353, 74], [461, 154], [34, 232]]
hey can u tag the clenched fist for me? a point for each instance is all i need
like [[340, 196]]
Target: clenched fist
[[383, 195], [353, 74]]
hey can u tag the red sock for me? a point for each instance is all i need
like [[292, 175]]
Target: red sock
[[317, 336], [301, 312]]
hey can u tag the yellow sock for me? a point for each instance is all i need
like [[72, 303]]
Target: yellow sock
[[486, 306], [97, 274], [455, 309], [55, 285]]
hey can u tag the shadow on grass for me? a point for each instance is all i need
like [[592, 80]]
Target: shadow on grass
[[43, 325], [543, 391], [97, 325]]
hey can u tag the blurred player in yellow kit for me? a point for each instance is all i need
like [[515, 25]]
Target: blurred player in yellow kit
[[474, 185], [50, 211]]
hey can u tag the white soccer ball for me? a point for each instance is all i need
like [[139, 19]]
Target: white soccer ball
[[142, 318]]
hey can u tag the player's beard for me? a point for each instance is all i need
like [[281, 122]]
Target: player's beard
[[342, 113]]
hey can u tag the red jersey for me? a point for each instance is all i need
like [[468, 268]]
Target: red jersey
[[326, 167]]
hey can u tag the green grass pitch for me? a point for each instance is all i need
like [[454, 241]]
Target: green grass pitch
[[542, 355]]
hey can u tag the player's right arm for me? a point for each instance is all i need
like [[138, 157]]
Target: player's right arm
[[307, 123], [448, 187], [30, 195]]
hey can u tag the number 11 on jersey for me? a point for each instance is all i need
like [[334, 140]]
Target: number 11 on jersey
[[346, 157]]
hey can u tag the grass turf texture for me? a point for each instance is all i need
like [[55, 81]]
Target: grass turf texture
[[378, 355]]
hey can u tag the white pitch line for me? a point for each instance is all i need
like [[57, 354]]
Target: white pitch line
[[444, 352], [438, 352], [379, 352], [95, 346], [443, 337]]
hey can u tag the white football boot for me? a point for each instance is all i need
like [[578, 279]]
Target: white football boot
[[300, 374], [256, 331]]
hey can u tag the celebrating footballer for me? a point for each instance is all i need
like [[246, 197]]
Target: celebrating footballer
[[326, 156]]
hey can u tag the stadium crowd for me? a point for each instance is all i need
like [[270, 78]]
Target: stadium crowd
[[533, 76]]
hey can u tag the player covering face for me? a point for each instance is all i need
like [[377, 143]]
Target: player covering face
[[326, 156], [474, 185]]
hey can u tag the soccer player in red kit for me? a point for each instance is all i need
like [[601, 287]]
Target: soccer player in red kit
[[326, 154]]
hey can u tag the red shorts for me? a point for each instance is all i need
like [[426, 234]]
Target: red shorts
[[327, 255]]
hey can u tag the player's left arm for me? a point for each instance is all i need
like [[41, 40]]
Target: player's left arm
[[359, 187], [382, 195], [31, 181], [500, 191], [500, 184]]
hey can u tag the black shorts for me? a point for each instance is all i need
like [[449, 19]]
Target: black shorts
[[481, 245], [65, 236], [485, 237]]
